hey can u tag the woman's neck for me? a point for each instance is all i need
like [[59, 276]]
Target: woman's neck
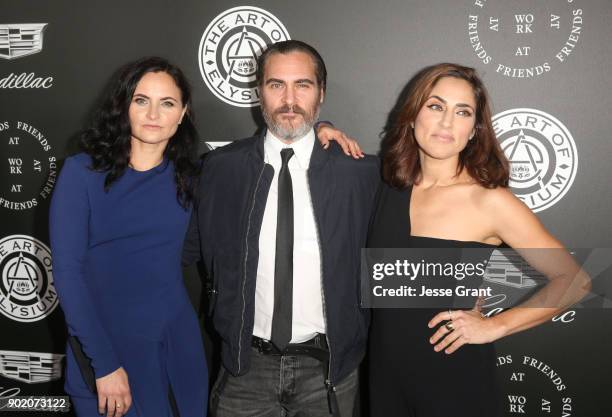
[[440, 172], [144, 156]]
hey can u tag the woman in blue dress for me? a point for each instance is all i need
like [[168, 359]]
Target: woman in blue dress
[[117, 222]]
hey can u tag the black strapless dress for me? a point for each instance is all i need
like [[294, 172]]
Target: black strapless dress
[[407, 377]]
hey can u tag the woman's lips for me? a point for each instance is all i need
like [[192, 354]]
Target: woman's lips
[[445, 137]]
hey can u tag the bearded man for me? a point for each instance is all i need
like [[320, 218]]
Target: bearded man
[[279, 224]]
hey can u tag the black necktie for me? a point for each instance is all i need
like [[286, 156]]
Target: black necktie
[[283, 262]]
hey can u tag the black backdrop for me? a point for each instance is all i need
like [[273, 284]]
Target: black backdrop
[[371, 50]]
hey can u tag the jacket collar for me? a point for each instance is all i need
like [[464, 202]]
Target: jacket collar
[[257, 151]]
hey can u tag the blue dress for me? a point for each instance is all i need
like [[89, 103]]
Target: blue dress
[[116, 262]]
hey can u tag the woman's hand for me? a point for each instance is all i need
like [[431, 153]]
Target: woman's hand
[[327, 133], [468, 327], [114, 395]]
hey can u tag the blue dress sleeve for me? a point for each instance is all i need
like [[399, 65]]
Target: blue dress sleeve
[[69, 234]]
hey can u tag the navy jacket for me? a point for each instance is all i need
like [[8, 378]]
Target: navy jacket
[[224, 233]]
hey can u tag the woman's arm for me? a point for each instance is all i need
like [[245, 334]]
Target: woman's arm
[[523, 231], [69, 232], [326, 132], [518, 227]]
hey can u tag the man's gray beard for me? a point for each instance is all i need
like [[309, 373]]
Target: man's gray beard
[[290, 133]]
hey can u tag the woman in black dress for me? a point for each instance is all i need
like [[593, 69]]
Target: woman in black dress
[[446, 186]]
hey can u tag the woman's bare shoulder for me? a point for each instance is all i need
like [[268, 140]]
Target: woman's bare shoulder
[[496, 198]]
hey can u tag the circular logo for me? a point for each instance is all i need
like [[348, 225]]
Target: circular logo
[[26, 287], [28, 168], [542, 154], [525, 377], [522, 39], [229, 49]]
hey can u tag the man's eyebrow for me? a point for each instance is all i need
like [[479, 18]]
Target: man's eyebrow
[[298, 81], [274, 80]]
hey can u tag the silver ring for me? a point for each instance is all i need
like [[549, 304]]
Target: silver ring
[[449, 326], [450, 313], [118, 405]]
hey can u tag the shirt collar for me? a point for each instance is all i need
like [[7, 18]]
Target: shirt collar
[[302, 148]]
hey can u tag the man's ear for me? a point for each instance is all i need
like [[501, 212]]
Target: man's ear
[[322, 96]]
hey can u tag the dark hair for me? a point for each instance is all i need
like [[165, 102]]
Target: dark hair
[[482, 157], [287, 47], [108, 139]]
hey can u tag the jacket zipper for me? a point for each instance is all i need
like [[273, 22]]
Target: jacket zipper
[[328, 382], [246, 257]]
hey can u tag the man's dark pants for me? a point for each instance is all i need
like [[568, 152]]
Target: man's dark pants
[[288, 385]]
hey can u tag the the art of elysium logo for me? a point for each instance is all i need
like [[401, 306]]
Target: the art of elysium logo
[[523, 38], [27, 166], [26, 283], [30, 367], [533, 388], [20, 39], [229, 49], [542, 154]]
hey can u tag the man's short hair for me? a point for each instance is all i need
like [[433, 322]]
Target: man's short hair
[[287, 47]]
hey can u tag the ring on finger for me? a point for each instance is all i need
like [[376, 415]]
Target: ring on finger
[[449, 326]]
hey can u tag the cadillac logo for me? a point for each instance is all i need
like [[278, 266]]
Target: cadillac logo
[[30, 367], [17, 40]]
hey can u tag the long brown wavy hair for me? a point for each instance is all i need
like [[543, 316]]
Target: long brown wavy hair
[[482, 157]]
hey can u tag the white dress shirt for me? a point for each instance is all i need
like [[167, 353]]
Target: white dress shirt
[[307, 295]]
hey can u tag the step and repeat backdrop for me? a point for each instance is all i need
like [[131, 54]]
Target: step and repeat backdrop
[[546, 65]]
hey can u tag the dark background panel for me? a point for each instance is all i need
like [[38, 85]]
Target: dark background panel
[[371, 51]]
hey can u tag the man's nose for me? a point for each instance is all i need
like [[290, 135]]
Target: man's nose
[[289, 96]]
